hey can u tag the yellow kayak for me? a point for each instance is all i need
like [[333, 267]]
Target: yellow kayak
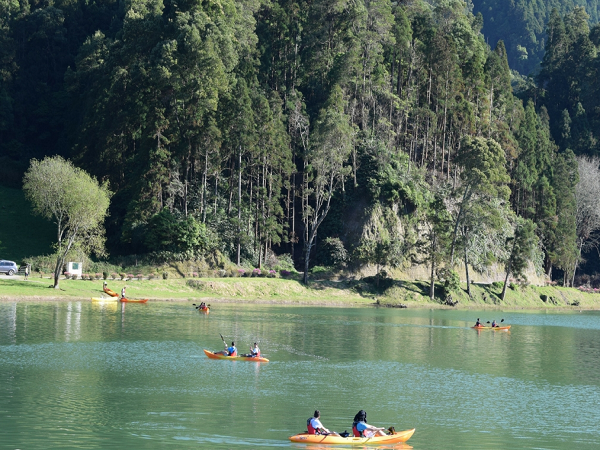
[[396, 438], [213, 355], [105, 299]]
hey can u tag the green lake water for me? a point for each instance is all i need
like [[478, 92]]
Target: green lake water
[[100, 376]]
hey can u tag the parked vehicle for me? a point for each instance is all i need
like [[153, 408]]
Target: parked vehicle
[[8, 267]]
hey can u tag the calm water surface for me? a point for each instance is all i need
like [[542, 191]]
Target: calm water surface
[[90, 376]]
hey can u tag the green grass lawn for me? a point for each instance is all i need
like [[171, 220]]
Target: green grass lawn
[[22, 234]]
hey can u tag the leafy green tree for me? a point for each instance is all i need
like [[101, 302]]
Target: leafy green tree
[[327, 156], [76, 203], [523, 245]]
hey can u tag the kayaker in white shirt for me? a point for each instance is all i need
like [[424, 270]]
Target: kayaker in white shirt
[[316, 427]]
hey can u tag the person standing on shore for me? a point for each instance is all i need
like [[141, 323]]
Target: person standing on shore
[[26, 271]]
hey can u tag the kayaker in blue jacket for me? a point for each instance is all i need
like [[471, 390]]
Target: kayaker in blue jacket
[[360, 427]]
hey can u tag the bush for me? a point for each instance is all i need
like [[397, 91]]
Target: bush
[[114, 276], [151, 276], [497, 284], [512, 286], [165, 275], [256, 273], [98, 276], [222, 273], [130, 276], [74, 276], [105, 275], [67, 275], [140, 276], [272, 274], [285, 273], [123, 276], [319, 269]]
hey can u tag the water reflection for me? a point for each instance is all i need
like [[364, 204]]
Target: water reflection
[[107, 375]]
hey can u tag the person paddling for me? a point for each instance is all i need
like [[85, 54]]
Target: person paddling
[[360, 427], [123, 292], [494, 324], [315, 426], [229, 351], [255, 351], [478, 323]]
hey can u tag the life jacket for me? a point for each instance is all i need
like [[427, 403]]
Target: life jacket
[[232, 353], [355, 431], [311, 429], [257, 354]]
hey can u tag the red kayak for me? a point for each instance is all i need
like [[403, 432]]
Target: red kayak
[[132, 300]]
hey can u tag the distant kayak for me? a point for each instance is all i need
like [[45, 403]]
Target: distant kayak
[[204, 310], [213, 355], [506, 327], [131, 300], [111, 293], [105, 299], [396, 438]]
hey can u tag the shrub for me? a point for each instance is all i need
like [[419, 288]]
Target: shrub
[[165, 275], [497, 284], [130, 276], [285, 273], [98, 276], [272, 274], [114, 276], [151, 276], [140, 276], [123, 276], [195, 274], [241, 272], [512, 286], [223, 273], [318, 269], [256, 273], [74, 276], [67, 275], [105, 275]]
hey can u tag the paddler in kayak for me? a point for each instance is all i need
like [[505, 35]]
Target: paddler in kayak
[[360, 427], [494, 324], [254, 351], [315, 426], [478, 323], [123, 292], [229, 351]]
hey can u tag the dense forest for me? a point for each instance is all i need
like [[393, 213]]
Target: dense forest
[[522, 26], [335, 132]]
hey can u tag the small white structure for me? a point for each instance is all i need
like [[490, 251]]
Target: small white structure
[[75, 268]]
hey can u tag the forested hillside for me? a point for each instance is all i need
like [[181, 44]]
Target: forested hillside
[[522, 26], [336, 132]]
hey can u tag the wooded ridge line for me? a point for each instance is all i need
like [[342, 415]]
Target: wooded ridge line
[[336, 133]]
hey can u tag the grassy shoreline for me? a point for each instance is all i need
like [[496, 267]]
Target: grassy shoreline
[[350, 293]]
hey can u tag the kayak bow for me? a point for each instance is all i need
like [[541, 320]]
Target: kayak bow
[[213, 355], [396, 438]]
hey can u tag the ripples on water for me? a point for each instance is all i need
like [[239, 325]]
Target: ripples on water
[[75, 375]]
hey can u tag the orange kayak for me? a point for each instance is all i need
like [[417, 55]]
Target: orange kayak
[[213, 355], [131, 300], [204, 310], [396, 438], [507, 327], [111, 293]]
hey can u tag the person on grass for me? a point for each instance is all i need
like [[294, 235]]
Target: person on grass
[[360, 427], [315, 426]]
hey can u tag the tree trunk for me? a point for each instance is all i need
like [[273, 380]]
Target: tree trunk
[[467, 272], [505, 282], [239, 228]]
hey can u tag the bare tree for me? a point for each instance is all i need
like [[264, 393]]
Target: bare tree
[[587, 195]]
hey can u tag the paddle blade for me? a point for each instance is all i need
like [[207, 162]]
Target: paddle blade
[[502, 321]]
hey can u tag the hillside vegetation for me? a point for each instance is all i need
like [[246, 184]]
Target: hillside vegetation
[[293, 134], [22, 233]]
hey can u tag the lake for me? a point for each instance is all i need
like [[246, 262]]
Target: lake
[[106, 375]]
